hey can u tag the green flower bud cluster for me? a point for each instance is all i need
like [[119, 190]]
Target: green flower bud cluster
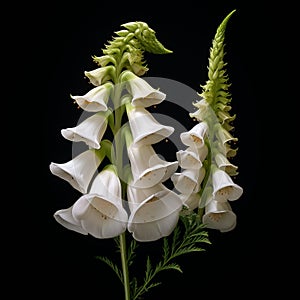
[[214, 108], [126, 50]]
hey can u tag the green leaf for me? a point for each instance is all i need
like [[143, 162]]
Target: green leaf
[[113, 266]]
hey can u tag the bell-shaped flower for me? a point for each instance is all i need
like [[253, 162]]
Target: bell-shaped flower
[[100, 212], [203, 112], [223, 135], [219, 215], [95, 99], [223, 187], [188, 181], [65, 218], [195, 136], [191, 201], [146, 130], [104, 60], [224, 164], [192, 157], [154, 212], [225, 149], [80, 170], [142, 93], [90, 131], [100, 75], [147, 168]]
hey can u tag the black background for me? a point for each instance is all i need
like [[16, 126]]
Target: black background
[[237, 264]]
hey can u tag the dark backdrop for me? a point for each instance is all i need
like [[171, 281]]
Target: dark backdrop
[[237, 263]]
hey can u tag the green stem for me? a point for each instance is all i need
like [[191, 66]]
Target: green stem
[[126, 282]]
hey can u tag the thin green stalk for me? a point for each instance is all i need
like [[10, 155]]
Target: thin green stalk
[[126, 282]]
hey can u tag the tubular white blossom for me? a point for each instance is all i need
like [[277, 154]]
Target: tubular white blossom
[[147, 168], [224, 164], [171, 167], [223, 187], [100, 75], [146, 130], [65, 218], [90, 131], [223, 135], [188, 181], [219, 215], [142, 93], [95, 99], [78, 171], [191, 201], [192, 157], [100, 212], [195, 136], [154, 212]]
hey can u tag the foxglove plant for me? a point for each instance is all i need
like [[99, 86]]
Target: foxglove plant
[[129, 200], [214, 130]]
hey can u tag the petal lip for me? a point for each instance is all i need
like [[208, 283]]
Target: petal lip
[[78, 171], [90, 131], [143, 94], [99, 216], [150, 177], [224, 188], [65, 218], [58, 171], [219, 215], [155, 217]]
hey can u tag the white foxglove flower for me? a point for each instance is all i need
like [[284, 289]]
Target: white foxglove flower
[[219, 215], [142, 93], [146, 130], [225, 149], [191, 201], [90, 131], [195, 136], [147, 168], [100, 212], [203, 112], [192, 157], [100, 75], [188, 181], [95, 99], [223, 187], [65, 218], [78, 171], [171, 167], [223, 135], [154, 212], [224, 164]]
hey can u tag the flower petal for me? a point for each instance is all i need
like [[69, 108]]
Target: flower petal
[[90, 131], [219, 215], [100, 217], [96, 99], [156, 216], [142, 92], [78, 171], [192, 157], [188, 181], [195, 136], [191, 201], [100, 75], [146, 130], [224, 164], [65, 218], [146, 170], [223, 187]]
